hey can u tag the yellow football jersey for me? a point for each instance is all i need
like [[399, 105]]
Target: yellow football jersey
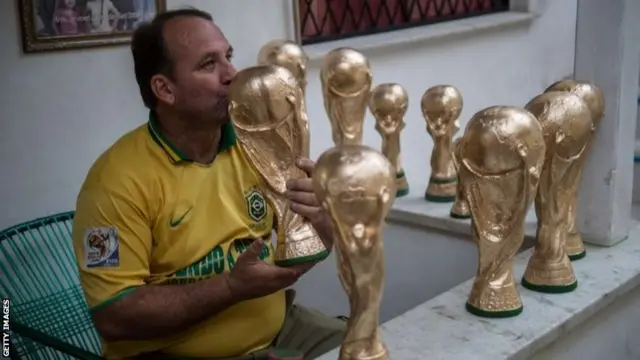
[[146, 214]]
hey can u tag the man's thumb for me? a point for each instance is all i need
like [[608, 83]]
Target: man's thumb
[[253, 251]]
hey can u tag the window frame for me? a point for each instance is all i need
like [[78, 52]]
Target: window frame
[[512, 6]]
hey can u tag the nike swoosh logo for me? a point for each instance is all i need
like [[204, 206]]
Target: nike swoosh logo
[[175, 222]]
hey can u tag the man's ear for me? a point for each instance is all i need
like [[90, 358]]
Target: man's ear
[[163, 89]]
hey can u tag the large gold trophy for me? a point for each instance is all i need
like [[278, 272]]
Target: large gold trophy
[[289, 54], [265, 108], [500, 156], [460, 208], [567, 124], [592, 95], [388, 104], [346, 81], [441, 107], [356, 186]]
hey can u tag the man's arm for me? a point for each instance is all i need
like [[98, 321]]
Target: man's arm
[[122, 304], [155, 311]]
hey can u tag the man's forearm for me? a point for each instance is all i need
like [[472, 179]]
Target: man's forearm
[[155, 311]]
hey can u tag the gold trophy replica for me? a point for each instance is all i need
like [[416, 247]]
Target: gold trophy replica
[[265, 107], [566, 121], [356, 186], [460, 208], [290, 55], [592, 95], [441, 107], [346, 81], [388, 104], [500, 156]]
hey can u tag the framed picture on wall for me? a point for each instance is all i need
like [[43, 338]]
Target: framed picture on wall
[[49, 25]]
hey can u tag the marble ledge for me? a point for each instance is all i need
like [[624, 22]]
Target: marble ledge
[[441, 329], [414, 210]]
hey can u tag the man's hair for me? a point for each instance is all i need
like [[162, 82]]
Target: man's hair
[[150, 53]]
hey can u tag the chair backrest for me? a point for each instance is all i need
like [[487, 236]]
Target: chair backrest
[[39, 275]]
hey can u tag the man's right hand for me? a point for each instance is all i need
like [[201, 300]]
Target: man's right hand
[[252, 278]]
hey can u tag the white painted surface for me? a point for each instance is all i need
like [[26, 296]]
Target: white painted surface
[[441, 329], [608, 54], [61, 110], [611, 334]]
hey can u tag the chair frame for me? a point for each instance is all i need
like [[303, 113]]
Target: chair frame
[[28, 332]]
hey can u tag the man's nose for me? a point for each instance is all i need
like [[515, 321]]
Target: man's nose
[[229, 73]]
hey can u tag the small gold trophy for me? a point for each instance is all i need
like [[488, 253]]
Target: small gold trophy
[[346, 81], [500, 156], [566, 121], [592, 95], [290, 55], [388, 105], [356, 186], [441, 107], [460, 208], [265, 108]]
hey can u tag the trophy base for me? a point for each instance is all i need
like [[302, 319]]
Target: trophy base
[[575, 246], [493, 314], [459, 216], [301, 245], [578, 256], [441, 190], [550, 289], [401, 184], [303, 259], [283, 354], [460, 210]]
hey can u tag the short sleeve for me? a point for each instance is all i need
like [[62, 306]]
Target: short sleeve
[[112, 241]]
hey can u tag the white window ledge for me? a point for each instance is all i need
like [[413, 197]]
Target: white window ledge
[[422, 34], [414, 210], [441, 328]]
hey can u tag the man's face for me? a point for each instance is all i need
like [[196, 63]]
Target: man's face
[[202, 69]]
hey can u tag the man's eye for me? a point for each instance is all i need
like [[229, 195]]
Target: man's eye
[[229, 57], [209, 64]]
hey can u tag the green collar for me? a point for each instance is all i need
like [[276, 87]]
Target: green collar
[[227, 139]]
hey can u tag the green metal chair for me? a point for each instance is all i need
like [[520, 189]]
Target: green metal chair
[[49, 314]]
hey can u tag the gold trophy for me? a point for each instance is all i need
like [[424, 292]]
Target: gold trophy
[[460, 208], [566, 121], [441, 107], [388, 104], [346, 81], [500, 156], [290, 55], [356, 186], [592, 95], [265, 107]]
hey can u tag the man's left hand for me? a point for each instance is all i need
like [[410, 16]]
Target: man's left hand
[[304, 202]]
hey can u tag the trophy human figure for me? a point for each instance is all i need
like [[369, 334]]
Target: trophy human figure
[[441, 107], [265, 107], [460, 207], [289, 54], [356, 186], [388, 104], [567, 124], [346, 81], [500, 156], [592, 95]]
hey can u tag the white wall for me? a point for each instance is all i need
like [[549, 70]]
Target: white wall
[[61, 110]]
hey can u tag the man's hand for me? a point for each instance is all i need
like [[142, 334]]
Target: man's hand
[[304, 202], [252, 278]]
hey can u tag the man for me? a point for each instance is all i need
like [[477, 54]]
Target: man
[[184, 266]]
